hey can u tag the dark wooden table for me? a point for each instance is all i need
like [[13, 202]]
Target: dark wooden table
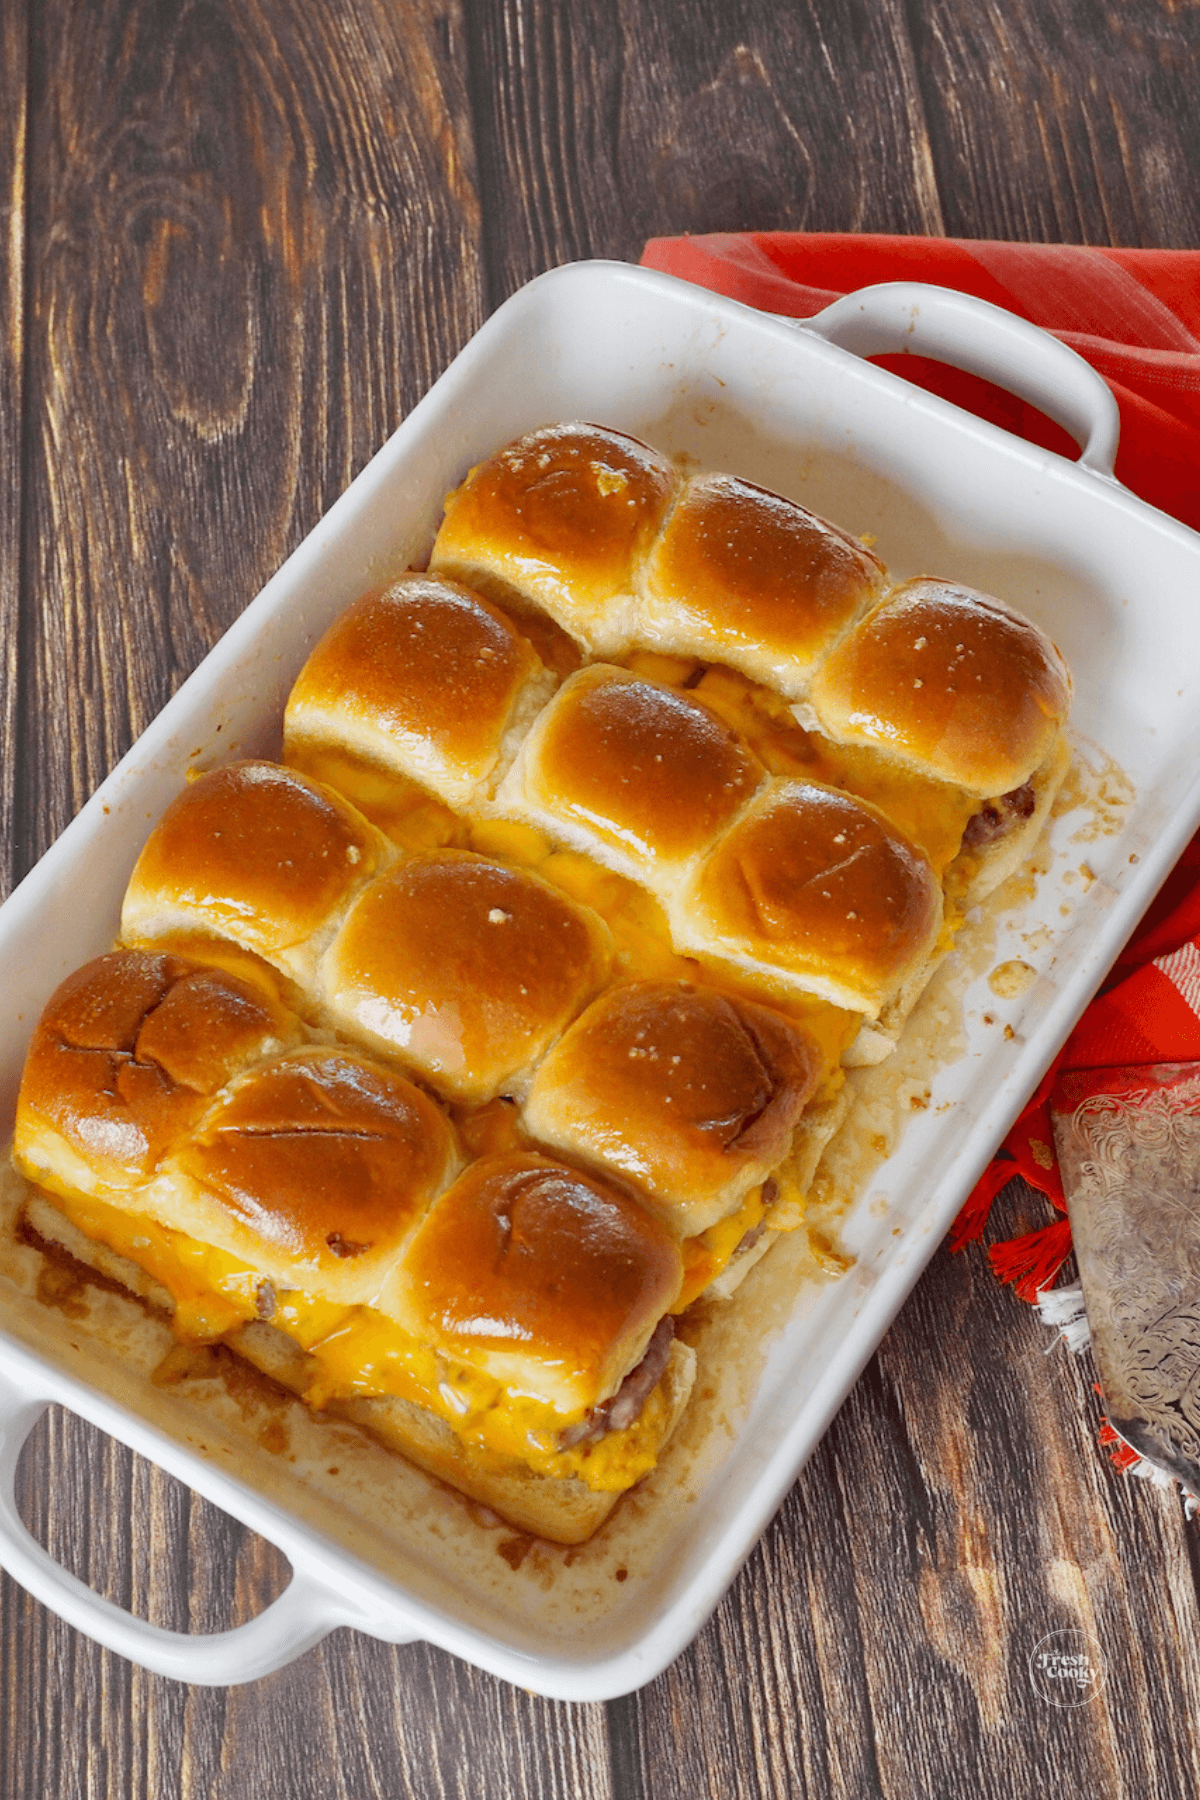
[[241, 240]]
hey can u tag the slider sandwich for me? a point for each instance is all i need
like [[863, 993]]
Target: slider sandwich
[[954, 687], [475, 976], [796, 889], [460, 967], [691, 1097], [744, 577], [607, 537], [421, 692], [255, 855], [560, 524], [479, 979], [635, 774]]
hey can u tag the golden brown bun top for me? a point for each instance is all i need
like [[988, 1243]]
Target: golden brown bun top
[[534, 1271], [566, 512], [819, 883], [424, 658], [324, 1155], [647, 767], [690, 1093], [464, 967], [756, 576], [256, 852], [128, 1051], [950, 680]]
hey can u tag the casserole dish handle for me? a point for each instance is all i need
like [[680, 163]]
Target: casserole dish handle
[[898, 317], [302, 1615]]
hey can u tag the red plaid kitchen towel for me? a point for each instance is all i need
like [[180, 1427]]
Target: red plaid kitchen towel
[[1135, 316]]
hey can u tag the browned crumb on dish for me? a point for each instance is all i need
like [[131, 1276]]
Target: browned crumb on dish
[[1103, 794], [275, 1437], [514, 1550], [1009, 980], [187, 1362]]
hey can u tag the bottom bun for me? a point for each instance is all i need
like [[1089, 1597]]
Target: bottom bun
[[566, 1511]]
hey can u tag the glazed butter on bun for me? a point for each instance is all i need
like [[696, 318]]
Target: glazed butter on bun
[[313, 1167], [818, 892], [463, 969], [541, 1277], [635, 774], [127, 1056], [255, 854], [460, 967], [744, 577], [561, 521], [688, 1094]]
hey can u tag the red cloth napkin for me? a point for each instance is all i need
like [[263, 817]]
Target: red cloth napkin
[[1135, 316]]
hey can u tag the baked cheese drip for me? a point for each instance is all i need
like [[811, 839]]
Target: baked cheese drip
[[357, 1353]]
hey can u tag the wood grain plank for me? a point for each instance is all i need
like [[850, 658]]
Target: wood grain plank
[[353, 1718], [144, 1541], [602, 125], [14, 41], [1067, 122], [1027, 1532], [256, 245]]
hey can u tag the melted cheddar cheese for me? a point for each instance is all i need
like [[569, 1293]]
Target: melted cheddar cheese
[[412, 817], [359, 1353], [706, 1256]]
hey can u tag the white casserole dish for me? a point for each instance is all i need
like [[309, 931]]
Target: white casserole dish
[[1116, 583]]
